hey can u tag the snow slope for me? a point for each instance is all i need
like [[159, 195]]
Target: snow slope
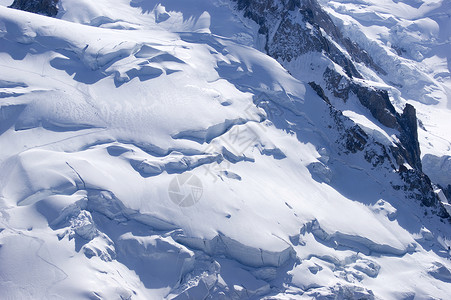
[[149, 151]]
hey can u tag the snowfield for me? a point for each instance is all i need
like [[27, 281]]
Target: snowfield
[[148, 150]]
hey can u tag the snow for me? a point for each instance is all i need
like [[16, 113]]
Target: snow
[[105, 106], [6, 2]]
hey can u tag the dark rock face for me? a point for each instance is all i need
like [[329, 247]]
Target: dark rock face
[[289, 38], [319, 90], [337, 84], [352, 138], [42, 7], [315, 15], [420, 188], [447, 192], [378, 103], [409, 136]]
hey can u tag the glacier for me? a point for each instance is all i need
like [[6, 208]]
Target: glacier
[[174, 150]]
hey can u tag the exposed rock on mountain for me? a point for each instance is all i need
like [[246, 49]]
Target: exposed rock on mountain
[[43, 7], [293, 28]]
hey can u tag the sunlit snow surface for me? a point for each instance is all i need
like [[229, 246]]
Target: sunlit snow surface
[[149, 151]]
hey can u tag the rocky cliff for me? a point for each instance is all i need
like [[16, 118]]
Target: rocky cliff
[[43, 7]]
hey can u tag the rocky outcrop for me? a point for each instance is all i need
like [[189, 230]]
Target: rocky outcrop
[[378, 103], [409, 136], [295, 27], [319, 90], [42, 7], [313, 14], [287, 38]]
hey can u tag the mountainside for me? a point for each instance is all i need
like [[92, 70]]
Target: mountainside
[[225, 149]]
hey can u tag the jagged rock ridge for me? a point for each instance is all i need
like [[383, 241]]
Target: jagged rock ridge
[[43, 7], [287, 38]]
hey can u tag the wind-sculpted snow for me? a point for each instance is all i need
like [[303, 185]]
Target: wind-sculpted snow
[[148, 151]]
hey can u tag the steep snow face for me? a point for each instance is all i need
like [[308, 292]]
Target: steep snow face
[[149, 151]]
